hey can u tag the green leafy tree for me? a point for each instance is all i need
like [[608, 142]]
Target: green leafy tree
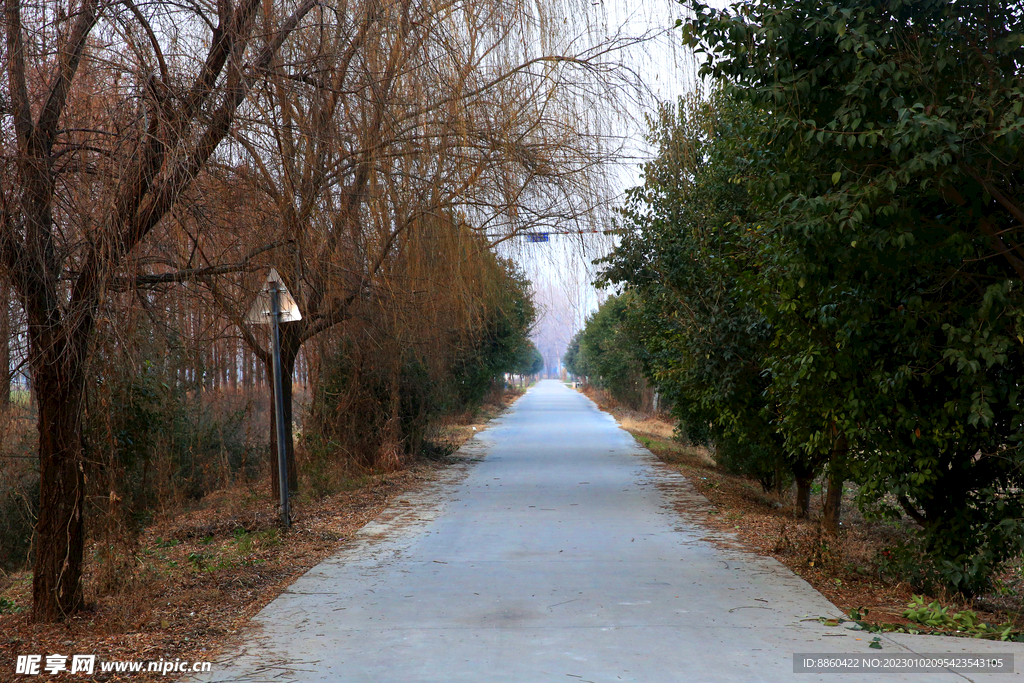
[[889, 239], [503, 334], [684, 256], [575, 361], [530, 361], [605, 352]]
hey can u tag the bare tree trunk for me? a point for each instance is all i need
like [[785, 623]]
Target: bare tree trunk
[[57, 373], [248, 369], [5, 346], [233, 363]]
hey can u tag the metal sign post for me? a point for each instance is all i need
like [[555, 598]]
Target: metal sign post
[[282, 463], [273, 306]]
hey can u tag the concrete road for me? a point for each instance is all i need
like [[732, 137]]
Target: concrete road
[[557, 556]]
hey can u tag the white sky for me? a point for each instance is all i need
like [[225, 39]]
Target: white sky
[[561, 269]]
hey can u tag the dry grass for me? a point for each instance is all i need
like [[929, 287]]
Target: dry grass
[[195, 577], [638, 423], [844, 568]]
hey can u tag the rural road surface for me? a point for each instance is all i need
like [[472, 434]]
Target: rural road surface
[[555, 555]]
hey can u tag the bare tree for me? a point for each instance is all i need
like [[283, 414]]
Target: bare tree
[[107, 119], [382, 114]]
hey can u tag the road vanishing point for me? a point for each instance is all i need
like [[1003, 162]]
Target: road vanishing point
[[559, 551]]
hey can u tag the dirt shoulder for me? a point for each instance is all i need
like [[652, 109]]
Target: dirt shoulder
[[193, 579], [848, 569]]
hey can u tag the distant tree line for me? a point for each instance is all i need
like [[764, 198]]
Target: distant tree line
[[604, 354]]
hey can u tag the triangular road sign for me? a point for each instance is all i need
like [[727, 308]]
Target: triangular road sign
[[260, 311]]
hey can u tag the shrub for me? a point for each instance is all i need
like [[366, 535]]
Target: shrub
[[746, 458]]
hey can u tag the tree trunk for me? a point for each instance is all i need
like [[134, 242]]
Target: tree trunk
[[803, 496], [836, 478], [780, 471], [233, 367], [5, 346], [803, 472], [833, 501], [60, 539]]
